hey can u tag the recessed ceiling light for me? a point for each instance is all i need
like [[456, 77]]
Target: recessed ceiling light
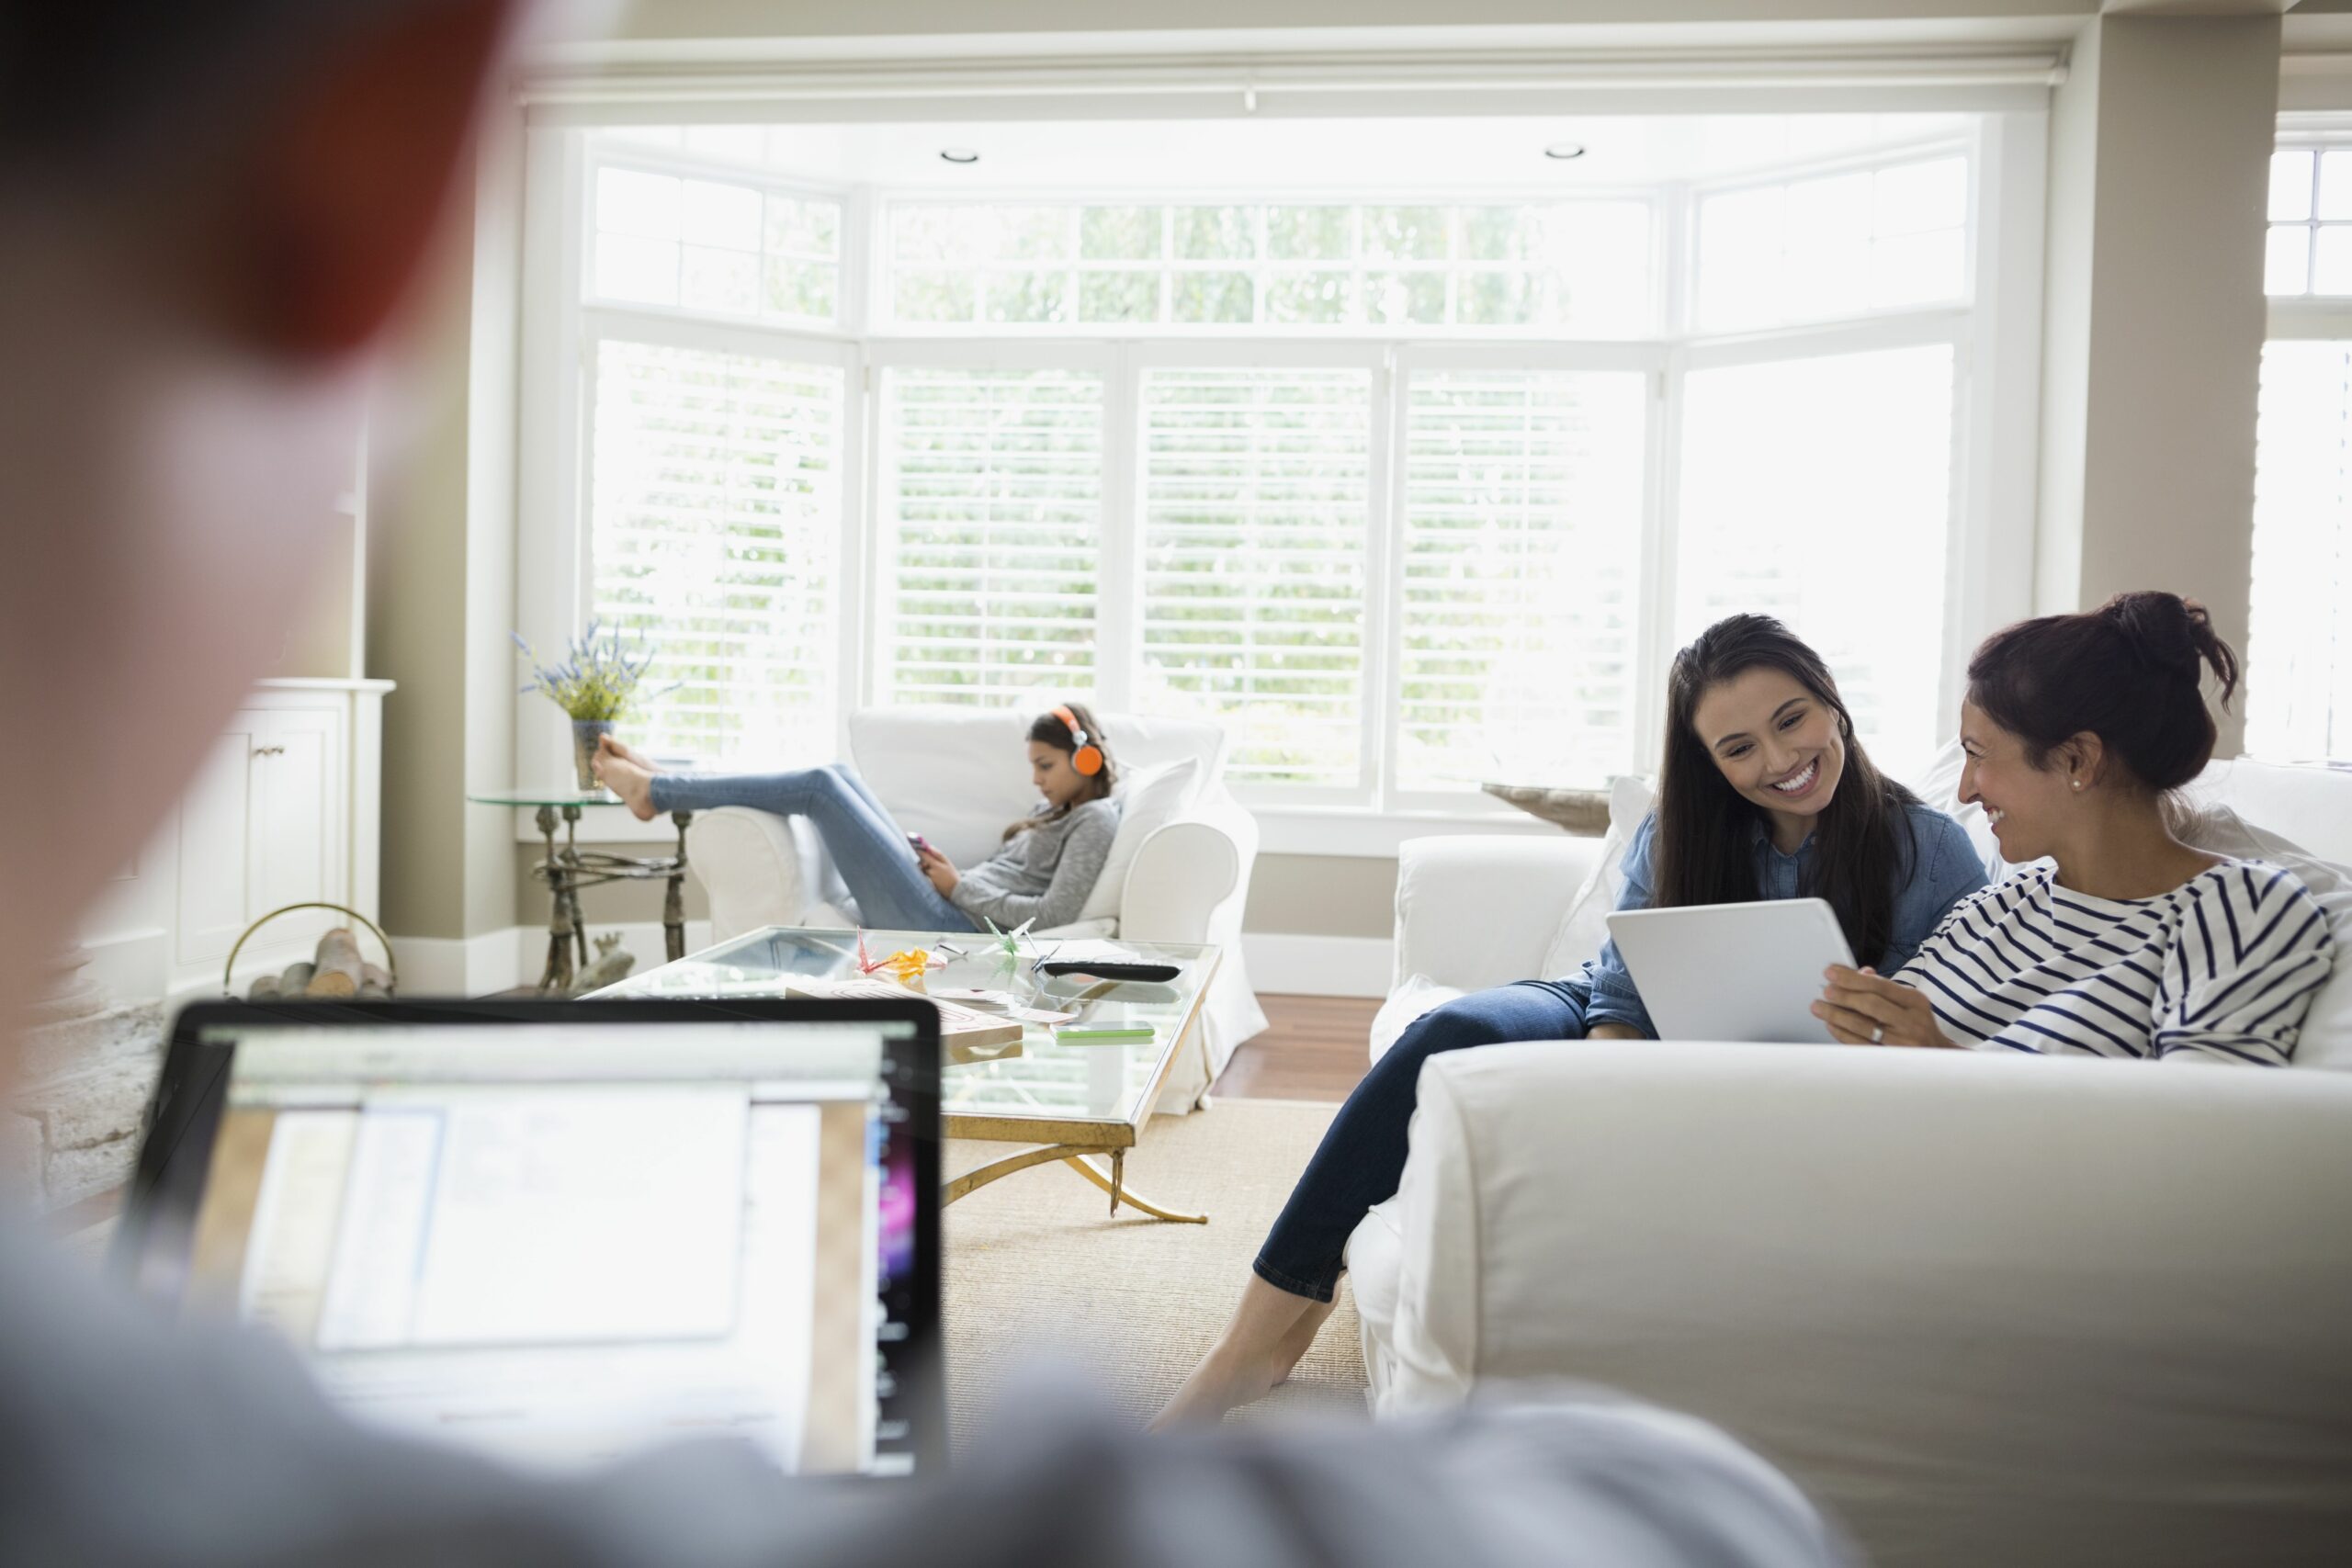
[[966, 155], [1564, 151]]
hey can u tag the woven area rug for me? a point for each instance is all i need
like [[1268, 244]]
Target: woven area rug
[[1038, 1271]]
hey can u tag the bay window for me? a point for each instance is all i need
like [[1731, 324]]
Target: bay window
[[1410, 490]]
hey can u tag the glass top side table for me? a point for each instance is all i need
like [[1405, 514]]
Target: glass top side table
[[568, 868]]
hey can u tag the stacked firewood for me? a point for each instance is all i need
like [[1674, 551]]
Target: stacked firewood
[[334, 970]]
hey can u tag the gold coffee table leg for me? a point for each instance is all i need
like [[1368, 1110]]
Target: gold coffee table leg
[[979, 1176], [1070, 1155], [1121, 1193]]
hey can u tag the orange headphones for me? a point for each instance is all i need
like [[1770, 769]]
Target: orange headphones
[[1088, 759]]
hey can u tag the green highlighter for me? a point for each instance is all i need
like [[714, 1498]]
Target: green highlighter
[[1102, 1034]]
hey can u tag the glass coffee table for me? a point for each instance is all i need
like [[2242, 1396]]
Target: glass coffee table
[[1072, 1101]]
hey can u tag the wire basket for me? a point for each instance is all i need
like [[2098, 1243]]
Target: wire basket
[[391, 966]]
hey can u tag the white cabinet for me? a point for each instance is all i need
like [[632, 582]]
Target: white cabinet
[[265, 827], [284, 812]]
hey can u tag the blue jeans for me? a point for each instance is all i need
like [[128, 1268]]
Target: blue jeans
[[1361, 1157], [868, 848]]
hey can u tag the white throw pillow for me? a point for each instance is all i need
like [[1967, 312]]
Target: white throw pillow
[[1938, 787], [2326, 1037], [1148, 801], [1585, 925]]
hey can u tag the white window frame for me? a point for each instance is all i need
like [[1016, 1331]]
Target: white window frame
[[1995, 339]]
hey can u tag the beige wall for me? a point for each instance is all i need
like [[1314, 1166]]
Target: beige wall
[[441, 584], [2160, 156], [416, 613], [1322, 895]]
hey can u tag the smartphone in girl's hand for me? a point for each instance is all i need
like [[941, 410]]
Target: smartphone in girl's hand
[[922, 845]]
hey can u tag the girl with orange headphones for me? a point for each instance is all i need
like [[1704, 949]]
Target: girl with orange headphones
[[1049, 863]]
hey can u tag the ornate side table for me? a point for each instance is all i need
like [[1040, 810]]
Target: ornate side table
[[568, 868]]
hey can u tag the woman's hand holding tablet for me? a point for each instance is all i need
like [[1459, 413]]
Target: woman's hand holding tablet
[[1863, 1006]]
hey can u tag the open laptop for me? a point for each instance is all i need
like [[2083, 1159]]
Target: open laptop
[[566, 1232]]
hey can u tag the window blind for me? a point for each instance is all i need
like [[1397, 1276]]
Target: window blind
[[994, 518], [1819, 491], [715, 508], [2299, 655], [1522, 536], [1255, 512]]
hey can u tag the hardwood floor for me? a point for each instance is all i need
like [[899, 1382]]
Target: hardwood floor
[[1313, 1048]]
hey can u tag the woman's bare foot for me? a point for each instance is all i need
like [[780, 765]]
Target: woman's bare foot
[[1271, 1332], [630, 779]]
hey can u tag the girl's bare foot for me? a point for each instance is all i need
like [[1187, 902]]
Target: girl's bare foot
[[1271, 1332], [631, 781], [614, 746]]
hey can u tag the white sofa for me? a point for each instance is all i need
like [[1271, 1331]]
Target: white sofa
[[957, 776], [1988, 1310]]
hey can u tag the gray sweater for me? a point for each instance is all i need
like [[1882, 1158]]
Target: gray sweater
[[1045, 874]]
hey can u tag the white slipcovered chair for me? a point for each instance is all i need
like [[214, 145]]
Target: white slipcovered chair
[[957, 776], [1987, 1309]]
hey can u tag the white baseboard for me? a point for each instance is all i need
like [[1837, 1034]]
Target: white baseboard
[[1283, 962], [513, 955]]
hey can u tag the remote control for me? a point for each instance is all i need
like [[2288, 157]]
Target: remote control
[[1104, 970]]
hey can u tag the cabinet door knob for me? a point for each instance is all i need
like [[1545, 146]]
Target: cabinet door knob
[[269, 750]]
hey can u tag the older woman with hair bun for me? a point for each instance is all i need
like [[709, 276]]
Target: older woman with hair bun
[[2127, 941]]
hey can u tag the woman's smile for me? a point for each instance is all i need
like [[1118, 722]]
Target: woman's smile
[[1798, 784]]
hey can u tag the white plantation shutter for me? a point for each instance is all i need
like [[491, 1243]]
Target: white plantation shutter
[[1256, 487], [1523, 541], [715, 508], [1819, 491], [2299, 657], [993, 522]]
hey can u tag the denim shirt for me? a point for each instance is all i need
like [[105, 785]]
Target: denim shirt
[[1935, 870]]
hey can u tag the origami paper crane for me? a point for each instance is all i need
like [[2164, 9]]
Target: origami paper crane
[[1011, 938], [907, 965]]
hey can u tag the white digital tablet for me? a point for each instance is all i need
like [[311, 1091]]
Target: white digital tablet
[[1746, 971]]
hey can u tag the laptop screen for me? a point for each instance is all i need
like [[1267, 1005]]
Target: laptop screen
[[563, 1243]]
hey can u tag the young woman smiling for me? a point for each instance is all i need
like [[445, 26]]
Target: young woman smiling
[[2127, 942], [1763, 793]]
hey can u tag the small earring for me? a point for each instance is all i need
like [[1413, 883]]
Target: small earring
[[2078, 784]]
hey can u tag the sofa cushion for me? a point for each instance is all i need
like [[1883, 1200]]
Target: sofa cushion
[[957, 777], [1585, 925], [2326, 1037], [1149, 800], [960, 776]]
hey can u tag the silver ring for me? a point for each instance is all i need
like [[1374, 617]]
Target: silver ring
[[1878, 1035]]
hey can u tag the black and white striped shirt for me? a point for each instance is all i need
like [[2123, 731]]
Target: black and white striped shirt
[[2220, 968]]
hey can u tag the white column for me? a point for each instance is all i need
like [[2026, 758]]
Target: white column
[[2153, 314]]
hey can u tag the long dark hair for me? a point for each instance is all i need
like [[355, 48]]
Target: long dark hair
[[1047, 729], [1703, 851], [2127, 672]]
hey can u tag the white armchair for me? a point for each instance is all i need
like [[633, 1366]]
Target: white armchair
[[957, 776], [1987, 1309]]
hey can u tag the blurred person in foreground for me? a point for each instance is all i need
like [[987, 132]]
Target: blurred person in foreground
[[209, 215]]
